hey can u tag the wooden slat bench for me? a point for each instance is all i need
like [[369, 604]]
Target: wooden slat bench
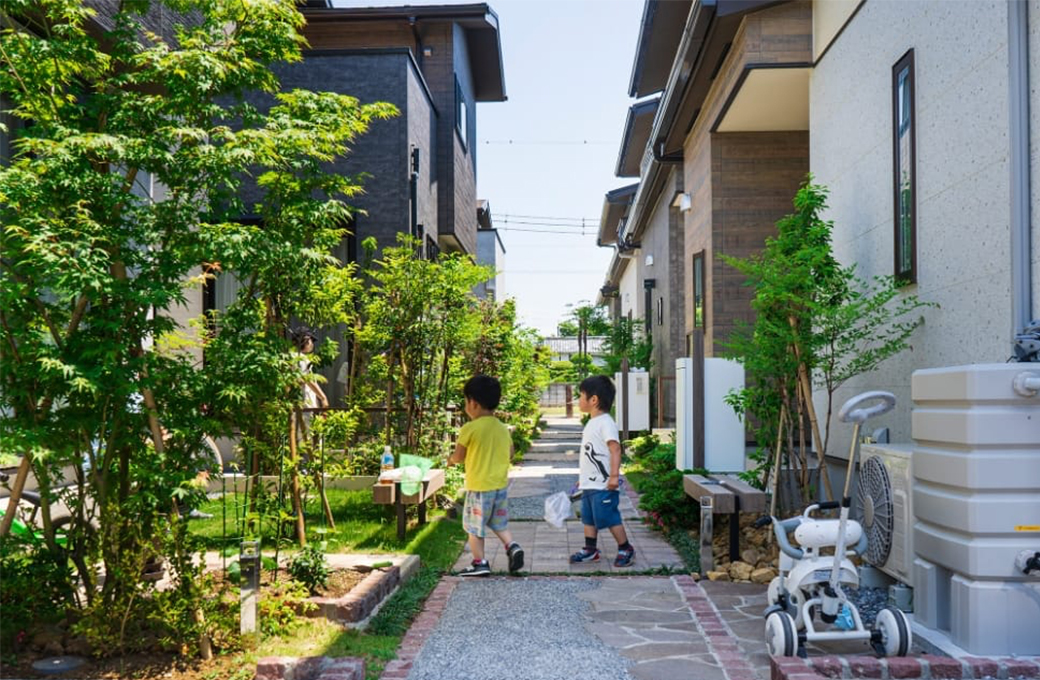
[[726, 495], [390, 494]]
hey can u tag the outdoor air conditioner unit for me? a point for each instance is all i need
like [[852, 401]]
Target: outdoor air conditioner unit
[[884, 507]]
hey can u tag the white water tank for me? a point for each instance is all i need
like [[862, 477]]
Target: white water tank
[[976, 498]]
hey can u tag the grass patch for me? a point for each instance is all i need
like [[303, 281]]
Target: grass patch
[[361, 526]]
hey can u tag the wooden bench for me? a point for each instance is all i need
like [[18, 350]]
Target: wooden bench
[[390, 494], [724, 495]]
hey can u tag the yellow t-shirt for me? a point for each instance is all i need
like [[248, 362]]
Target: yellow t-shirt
[[488, 445]]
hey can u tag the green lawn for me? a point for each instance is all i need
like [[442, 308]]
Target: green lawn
[[361, 526]]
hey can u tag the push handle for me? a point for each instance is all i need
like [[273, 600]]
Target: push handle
[[762, 521], [851, 413]]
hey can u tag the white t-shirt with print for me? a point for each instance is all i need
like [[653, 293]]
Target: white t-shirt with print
[[595, 455]]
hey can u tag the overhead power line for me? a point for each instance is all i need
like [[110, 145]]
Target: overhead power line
[[548, 231], [553, 218], [549, 142]]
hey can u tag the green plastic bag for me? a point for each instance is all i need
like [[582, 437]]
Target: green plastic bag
[[413, 469]]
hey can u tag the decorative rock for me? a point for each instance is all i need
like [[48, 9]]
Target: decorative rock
[[695, 575], [762, 575], [718, 576], [740, 571], [750, 556]]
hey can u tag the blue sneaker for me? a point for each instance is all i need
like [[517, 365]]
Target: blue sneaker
[[585, 556], [625, 557]]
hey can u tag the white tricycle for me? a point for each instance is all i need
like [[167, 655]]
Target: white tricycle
[[811, 583]]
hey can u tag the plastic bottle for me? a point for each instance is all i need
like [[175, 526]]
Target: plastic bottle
[[386, 465]]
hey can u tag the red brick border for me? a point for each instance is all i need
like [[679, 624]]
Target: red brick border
[[926, 667], [361, 600], [420, 629], [310, 668], [721, 641]]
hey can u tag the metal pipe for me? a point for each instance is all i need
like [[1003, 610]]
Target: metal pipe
[[1019, 188]]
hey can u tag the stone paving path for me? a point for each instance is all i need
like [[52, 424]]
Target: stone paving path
[[551, 466]]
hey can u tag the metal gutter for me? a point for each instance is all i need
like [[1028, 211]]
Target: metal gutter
[[1019, 189]]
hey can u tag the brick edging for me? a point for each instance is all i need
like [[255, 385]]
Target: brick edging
[[925, 666], [720, 640], [361, 600], [420, 629], [310, 668]]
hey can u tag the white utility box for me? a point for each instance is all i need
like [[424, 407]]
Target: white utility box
[[638, 401], [723, 430]]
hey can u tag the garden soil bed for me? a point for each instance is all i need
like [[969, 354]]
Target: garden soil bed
[[159, 665]]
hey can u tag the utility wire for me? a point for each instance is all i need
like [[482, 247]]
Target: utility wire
[[547, 231], [535, 223], [507, 216], [548, 142]]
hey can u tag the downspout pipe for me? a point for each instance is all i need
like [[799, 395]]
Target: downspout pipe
[[1019, 189]]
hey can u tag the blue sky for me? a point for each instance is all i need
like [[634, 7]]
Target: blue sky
[[550, 150], [567, 66]]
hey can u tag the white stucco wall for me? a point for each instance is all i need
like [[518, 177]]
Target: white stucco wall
[[630, 290], [1034, 151], [962, 176]]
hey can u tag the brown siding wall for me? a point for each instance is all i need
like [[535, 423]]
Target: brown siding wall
[[741, 183], [754, 177]]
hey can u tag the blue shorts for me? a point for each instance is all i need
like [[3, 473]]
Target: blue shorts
[[485, 510], [599, 508]]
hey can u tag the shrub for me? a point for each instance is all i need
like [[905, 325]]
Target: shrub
[[662, 494], [310, 568], [639, 446]]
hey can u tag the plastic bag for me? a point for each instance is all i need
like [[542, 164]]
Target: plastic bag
[[557, 509], [413, 470]]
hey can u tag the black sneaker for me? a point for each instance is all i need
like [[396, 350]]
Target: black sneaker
[[481, 568], [516, 557]]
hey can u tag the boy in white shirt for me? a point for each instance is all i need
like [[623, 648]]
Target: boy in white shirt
[[599, 472]]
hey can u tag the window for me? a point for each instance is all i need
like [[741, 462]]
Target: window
[[904, 177], [698, 290], [648, 303], [660, 311], [460, 112]]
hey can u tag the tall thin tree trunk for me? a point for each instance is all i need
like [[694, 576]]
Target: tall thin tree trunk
[[806, 386], [301, 533]]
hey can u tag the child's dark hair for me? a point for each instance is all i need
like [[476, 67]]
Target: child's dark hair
[[484, 390], [601, 387]]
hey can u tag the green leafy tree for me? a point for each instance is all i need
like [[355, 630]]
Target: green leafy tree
[[815, 322], [419, 315], [627, 341], [94, 371]]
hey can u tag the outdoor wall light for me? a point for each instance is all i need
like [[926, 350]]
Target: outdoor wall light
[[685, 202]]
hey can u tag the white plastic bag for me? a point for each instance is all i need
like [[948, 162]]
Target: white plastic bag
[[557, 509]]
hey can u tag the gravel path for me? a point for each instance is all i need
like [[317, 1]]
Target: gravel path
[[501, 629], [564, 475]]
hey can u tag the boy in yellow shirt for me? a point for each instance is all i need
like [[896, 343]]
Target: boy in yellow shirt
[[486, 447]]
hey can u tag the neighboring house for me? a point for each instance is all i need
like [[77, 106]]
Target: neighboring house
[[490, 252], [435, 63], [564, 348], [930, 109], [719, 153]]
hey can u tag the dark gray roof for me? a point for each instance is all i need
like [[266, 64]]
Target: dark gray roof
[[659, 36], [638, 125], [479, 22], [615, 206]]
